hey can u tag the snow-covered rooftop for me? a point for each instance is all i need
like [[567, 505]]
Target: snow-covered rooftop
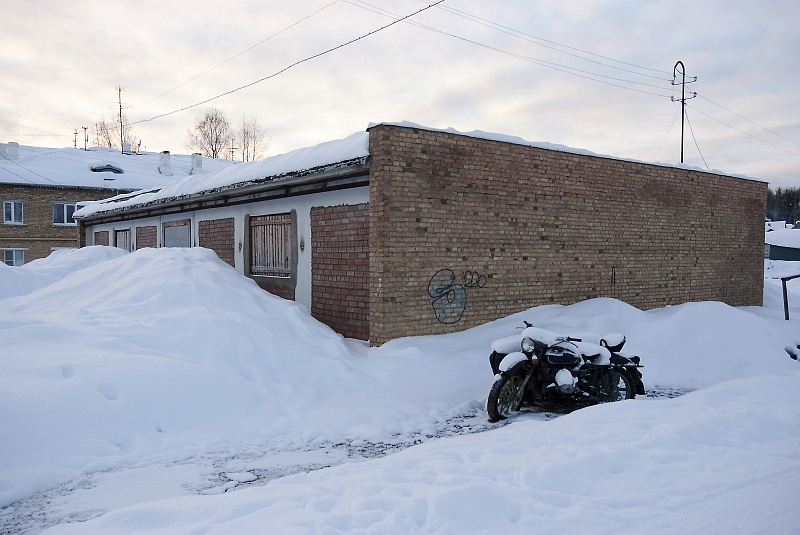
[[325, 155], [783, 238], [71, 167]]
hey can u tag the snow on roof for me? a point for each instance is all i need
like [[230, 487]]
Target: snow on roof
[[70, 167], [325, 155], [769, 226], [557, 147], [783, 238]]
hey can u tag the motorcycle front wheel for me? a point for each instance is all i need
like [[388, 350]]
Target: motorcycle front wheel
[[507, 393], [615, 385]]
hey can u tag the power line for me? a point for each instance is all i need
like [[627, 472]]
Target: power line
[[273, 75], [539, 41], [746, 133], [749, 121], [29, 127], [240, 53], [675, 116], [34, 119], [694, 138], [588, 75], [30, 171]]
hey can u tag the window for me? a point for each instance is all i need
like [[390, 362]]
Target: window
[[176, 234], [62, 213], [14, 257], [270, 245], [12, 212], [122, 239]]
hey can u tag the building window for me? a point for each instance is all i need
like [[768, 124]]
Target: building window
[[62, 213], [122, 239], [14, 257], [12, 212], [270, 245], [177, 234]]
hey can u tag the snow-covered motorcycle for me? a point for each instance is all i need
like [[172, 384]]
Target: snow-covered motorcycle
[[541, 368]]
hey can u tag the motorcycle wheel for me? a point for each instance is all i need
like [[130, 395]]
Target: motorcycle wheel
[[615, 385], [507, 393]]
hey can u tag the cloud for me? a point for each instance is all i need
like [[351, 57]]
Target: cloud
[[67, 63]]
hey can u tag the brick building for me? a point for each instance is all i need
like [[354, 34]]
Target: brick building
[[403, 230], [41, 187]]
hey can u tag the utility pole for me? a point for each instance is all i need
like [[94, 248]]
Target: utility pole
[[683, 98], [120, 118], [75, 140], [85, 137]]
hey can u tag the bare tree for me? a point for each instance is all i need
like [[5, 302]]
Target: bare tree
[[106, 133], [252, 139], [211, 134]]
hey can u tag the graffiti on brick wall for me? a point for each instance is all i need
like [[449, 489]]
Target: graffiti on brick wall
[[473, 279], [449, 299]]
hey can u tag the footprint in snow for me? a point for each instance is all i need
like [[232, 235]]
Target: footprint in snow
[[109, 391]]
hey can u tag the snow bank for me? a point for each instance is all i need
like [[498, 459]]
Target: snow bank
[[720, 460], [165, 353], [44, 271], [116, 360]]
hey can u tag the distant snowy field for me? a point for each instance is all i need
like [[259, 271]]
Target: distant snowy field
[[162, 392]]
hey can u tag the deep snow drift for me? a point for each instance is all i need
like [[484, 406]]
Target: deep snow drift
[[117, 361]]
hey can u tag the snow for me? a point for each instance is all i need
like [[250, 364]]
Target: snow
[[505, 138], [162, 392], [784, 238], [354, 147], [72, 167]]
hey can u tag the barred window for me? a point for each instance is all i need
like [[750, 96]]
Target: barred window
[[270, 245], [122, 239]]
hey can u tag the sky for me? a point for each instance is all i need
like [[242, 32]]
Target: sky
[[594, 75]]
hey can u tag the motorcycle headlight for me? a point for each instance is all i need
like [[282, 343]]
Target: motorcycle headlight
[[528, 345]]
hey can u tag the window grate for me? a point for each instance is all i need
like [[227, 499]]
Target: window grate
[[270, 245]]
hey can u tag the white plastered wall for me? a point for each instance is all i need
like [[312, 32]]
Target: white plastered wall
[[301, 204]]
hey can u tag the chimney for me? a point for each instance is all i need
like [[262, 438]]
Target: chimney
[[126, 148], [163, 164], [197, 164], [10, 150]]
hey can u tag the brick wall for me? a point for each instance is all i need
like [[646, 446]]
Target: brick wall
[[38, 235], [275, 287], [465, 230], [101, 237], [340, 268], [218, 235], [146, 237]]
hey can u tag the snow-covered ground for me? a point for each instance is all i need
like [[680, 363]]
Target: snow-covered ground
[[162, 392]]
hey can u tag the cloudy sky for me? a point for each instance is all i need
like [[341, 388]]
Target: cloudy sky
[[591, 74]]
